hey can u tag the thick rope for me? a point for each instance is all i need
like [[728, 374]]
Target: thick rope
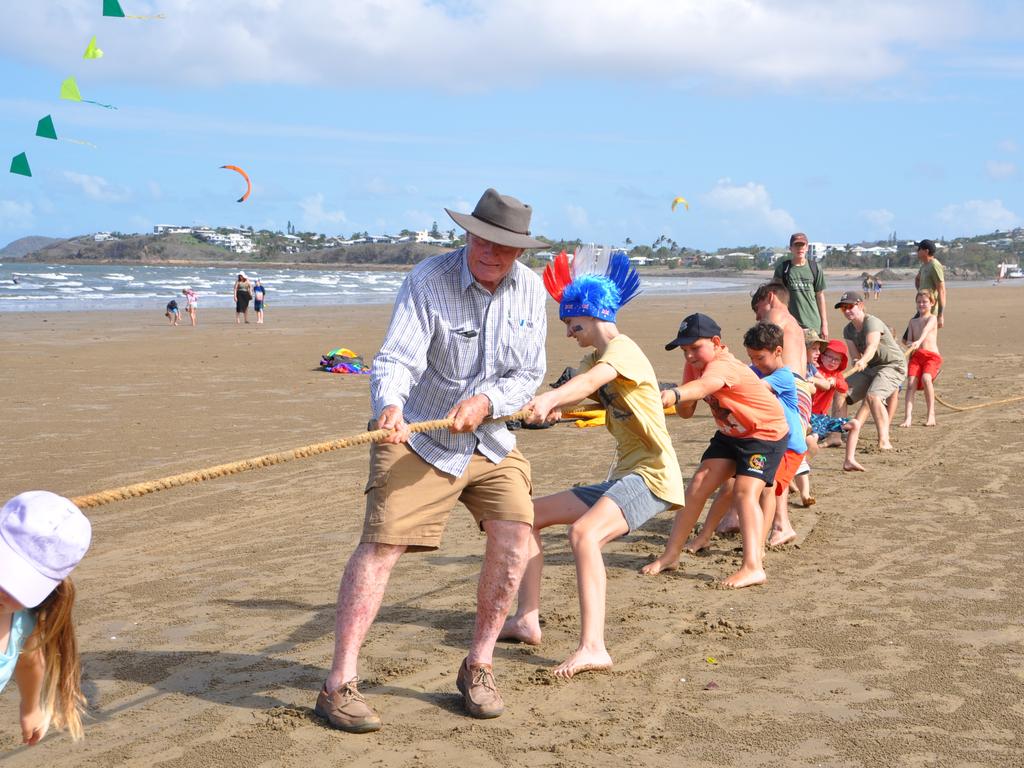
[[962, 408], [185, 478]]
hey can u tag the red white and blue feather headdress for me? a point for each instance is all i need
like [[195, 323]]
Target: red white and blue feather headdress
[[596, 284]]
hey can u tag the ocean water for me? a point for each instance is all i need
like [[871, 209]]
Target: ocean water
[[74, 287]]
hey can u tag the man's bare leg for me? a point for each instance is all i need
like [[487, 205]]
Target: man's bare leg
[[852, 429], [524, 625], [745, 494], [929, 399], [359, 597], [602, 523], [909, 409], [880, 413], [709, 476], [504, 561]]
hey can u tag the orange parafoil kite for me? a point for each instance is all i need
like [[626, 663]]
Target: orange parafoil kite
[[679, 200], [248, 184]]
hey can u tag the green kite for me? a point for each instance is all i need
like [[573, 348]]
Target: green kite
[[45, 130], [69, 90], [113, 8], [19, 165], [92, 51]]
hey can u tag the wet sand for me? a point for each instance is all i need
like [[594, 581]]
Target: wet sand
[[890, 634]]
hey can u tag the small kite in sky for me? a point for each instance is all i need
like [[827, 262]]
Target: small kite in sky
[[19, 165], [45, 130], [679, 200], [113, 8], [69, 90], [248, 184], [92, 51]]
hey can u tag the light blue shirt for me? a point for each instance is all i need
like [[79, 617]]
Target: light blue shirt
[[449, 339], [783, 384], [22, 624]]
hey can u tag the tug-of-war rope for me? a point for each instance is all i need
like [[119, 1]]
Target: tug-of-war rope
[[373, 436], [270, 459]]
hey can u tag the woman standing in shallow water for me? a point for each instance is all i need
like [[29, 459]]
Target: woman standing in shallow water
[[243, 295]]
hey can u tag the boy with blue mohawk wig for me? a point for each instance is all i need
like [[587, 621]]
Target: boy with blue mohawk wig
[[645, 479]]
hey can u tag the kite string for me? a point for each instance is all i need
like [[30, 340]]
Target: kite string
[[185, 478]]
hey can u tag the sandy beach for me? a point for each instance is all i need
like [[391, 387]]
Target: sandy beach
[[891, 634]]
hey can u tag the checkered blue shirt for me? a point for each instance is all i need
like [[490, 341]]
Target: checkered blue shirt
[[450, 339]]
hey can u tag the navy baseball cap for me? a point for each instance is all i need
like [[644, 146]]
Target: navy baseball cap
[[693, 327]]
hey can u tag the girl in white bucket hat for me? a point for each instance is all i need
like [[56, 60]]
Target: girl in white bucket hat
[[42, 538]]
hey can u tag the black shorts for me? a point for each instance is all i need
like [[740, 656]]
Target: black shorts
[[753, 457]]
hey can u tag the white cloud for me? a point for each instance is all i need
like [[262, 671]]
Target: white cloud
[[478, 44], [154, 190], [1000, 170], [748, 204], [14, 214], [879, 218], [97, 188], [974, 216], [578, 218], [1007, 145], [314, 214]]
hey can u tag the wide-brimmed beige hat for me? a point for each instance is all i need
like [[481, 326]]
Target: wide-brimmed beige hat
[[500, 219]]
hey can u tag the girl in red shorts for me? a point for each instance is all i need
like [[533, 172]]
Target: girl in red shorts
[[922, 340]]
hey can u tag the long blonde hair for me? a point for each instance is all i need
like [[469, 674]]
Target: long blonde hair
[[54, 637]]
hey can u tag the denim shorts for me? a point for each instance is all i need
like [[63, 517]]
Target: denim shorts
[[630, 493]]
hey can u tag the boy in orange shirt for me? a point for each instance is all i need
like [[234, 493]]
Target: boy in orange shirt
[[749, 444]]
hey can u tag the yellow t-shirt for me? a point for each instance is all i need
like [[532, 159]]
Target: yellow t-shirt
[[636, 419]]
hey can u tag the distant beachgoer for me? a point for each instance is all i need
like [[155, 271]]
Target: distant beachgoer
[[806, 283], [191, 303], [922, 338], [931, 276], [42, 538], [259, 294], [171, 311], [877, 288], [243, 295]]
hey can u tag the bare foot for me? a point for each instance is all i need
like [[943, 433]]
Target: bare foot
[[730, 523], [781, 537], [808, 501], [521, 630], [658, 565], [905, 424], [583, 660], [853, 466], [930, 423], [697, 544], [832, 441], [886, 446], [744, 577]]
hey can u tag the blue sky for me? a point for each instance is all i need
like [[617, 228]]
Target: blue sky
[[844, 120]]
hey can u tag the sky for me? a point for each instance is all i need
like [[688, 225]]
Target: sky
[[847, 121]]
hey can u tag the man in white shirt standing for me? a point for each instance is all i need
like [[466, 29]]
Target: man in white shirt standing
[[466, 341]]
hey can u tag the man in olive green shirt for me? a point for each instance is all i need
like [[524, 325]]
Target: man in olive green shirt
[[932, 277], [806, 284]]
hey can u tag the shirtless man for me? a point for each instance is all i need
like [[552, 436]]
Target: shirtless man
[[770, 303]]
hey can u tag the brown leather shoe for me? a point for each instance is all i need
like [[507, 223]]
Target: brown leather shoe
[[479, 692], [347, 710]]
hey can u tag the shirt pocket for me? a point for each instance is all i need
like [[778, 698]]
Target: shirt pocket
[[457, 352], [520, 340]]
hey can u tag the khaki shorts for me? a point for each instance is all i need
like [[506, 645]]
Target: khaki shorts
[[881, 382], [408, 501]]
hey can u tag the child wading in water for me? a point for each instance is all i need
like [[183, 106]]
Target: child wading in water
[[42, 538], [645, 480], [749, 444], [922, 336]]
